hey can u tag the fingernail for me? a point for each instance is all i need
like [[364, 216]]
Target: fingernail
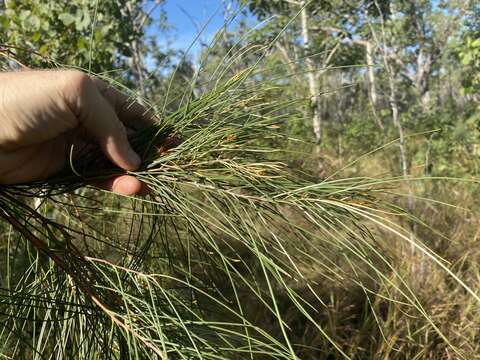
[[133, 158]]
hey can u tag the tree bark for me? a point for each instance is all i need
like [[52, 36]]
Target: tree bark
[[312, 81], [371, 75], [137, 59], [424, 70], [372, 84]]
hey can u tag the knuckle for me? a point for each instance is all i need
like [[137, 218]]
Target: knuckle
[[76, 90], [77, 81]]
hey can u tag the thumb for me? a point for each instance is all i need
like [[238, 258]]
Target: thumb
[[100, 120]]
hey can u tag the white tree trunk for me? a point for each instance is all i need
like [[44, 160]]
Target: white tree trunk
[[371, 74], [372, 84], [312, 81], [137, 60]]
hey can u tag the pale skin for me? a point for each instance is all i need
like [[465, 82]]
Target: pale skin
[[44, 113]]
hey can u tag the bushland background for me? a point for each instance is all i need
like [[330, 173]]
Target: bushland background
[[392, 85]]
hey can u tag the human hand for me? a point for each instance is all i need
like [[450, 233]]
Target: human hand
[[42, 113]]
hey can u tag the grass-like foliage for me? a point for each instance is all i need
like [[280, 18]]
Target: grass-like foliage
[[230, 256]]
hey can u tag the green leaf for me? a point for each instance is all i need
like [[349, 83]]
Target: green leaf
[[475, 43], [36, 36], [24, 15], [466, 58], [66, 18], [34, 22], [10, 13], [43, 49]]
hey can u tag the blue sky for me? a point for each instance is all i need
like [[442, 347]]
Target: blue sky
[[186, 17], [181, 12]]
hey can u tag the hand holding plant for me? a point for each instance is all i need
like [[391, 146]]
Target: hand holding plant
[[44, 113]]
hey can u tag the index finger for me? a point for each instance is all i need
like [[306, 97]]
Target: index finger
[[129, 111]]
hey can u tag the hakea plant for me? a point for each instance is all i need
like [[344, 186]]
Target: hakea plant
[[205, 265]]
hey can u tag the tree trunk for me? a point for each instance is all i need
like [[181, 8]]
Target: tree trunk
[[312, 81], [138, 65], [424, 69], [372, 84], [371, 75], [398, 125], [137, 60]]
